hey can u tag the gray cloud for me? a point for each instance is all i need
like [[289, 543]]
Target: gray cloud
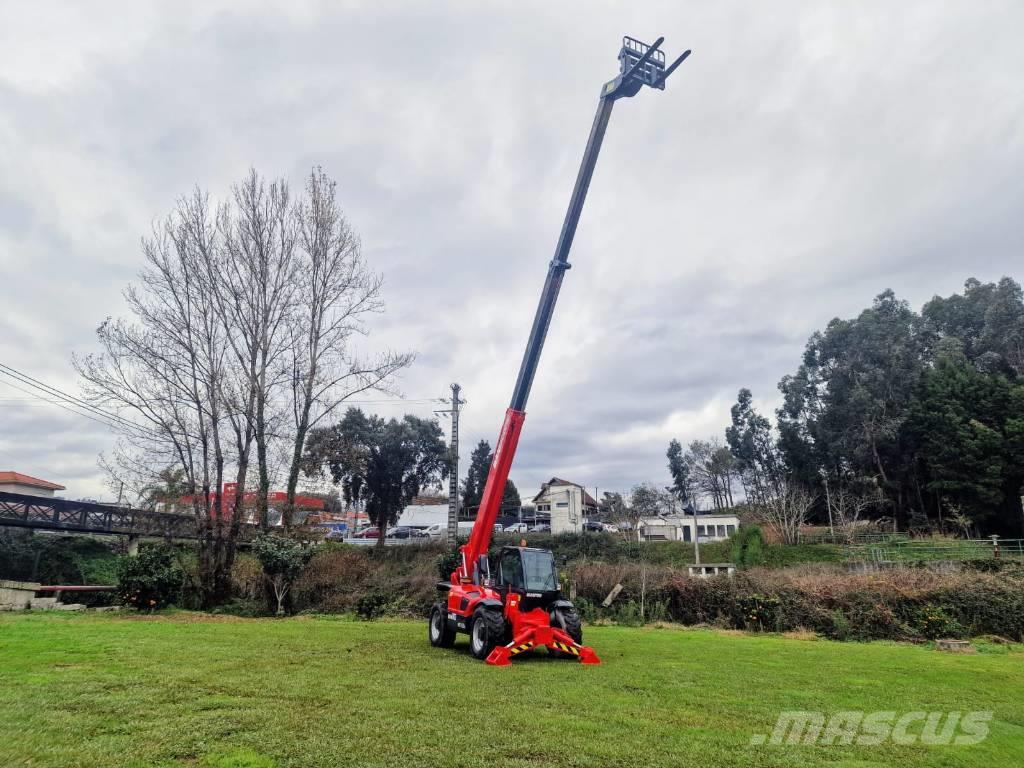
[[806, 157]]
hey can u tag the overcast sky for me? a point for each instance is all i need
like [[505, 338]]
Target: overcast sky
[[807, 156]]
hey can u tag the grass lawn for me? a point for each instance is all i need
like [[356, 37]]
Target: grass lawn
[[108, 690]]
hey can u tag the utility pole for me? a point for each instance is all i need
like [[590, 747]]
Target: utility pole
[[453, 476]]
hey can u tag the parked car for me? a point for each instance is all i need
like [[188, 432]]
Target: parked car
[[372, 532], [436, 531], [517, 528], [610, 527], [541, 528], [403, 532], [593, 525]]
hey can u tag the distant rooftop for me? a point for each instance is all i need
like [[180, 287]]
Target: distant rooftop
[[429, 501], [588, 500], [16, 478]]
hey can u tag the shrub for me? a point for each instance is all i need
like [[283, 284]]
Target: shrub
[[748, 547], [283, 560], [758, 612], [150, 580], [904, 604], [839, 629], [447, 562], [333, 579], [377, 604], [933, 622], [247, 578]]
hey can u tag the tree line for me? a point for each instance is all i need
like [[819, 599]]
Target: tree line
[[916, 417]]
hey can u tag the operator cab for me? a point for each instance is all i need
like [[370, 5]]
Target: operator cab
[[529, 572]]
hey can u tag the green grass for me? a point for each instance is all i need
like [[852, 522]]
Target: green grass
[[183, 689]]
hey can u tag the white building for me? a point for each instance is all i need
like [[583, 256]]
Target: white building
[[711, 526], [424, 512], [569, 505], [424, 515], [15, 482]]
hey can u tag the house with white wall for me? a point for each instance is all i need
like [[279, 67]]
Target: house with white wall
[[710, 526], [568, 503], [16, 482]]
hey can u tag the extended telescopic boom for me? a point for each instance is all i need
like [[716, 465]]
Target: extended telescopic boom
[[639, 65]]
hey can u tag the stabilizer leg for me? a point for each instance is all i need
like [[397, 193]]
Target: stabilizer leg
[[552, 637], [502, 655], [563, 642]]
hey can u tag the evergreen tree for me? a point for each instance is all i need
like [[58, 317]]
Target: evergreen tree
[[476, 479]]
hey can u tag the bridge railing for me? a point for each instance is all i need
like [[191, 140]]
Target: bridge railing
[[43, 513]]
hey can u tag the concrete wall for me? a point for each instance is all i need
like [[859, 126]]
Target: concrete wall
[[16, 595], [28, 490]]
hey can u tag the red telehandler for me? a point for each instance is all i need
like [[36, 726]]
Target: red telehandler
[[520, 606]]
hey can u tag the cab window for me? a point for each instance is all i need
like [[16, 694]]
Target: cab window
[[511, 574], [539, 568]]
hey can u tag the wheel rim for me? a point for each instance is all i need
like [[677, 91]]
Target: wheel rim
[[478, 634], [435, 625]]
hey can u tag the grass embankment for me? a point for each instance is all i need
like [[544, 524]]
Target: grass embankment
[[183, 689]]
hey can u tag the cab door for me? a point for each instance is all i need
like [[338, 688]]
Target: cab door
[[510, 571]]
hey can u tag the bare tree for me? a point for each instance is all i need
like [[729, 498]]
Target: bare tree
[[258, 282], [241, 333], [165, 370], [335, 293], [787, 511], [848, 507]]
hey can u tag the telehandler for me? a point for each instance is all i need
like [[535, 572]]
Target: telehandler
[[519, 605]]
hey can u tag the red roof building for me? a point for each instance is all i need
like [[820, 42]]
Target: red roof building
[[16, 482]]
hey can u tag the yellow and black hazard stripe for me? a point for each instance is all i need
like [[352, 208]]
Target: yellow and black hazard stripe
[[566, 648], [520, 648]]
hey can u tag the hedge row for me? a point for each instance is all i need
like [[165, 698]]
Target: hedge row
[[904, 604]]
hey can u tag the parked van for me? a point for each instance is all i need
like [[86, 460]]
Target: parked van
[[436, 531]]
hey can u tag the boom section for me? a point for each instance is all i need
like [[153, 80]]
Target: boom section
[[639, 65]]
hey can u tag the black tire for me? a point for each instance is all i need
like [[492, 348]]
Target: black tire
[[440, 634], [568, 620], [487, 630]]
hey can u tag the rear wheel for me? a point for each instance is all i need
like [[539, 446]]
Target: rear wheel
[[441, 635], [487, 631]]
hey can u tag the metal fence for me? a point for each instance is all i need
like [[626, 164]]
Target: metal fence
[[909, 550], [390, 541], [845, 539]]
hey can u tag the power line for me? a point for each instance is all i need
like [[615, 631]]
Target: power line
[[68, 408], [53, 396], [52, 391]]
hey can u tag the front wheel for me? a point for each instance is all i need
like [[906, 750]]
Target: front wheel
[[441, 635], [487, 631], [567, 620], [570, 621]]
